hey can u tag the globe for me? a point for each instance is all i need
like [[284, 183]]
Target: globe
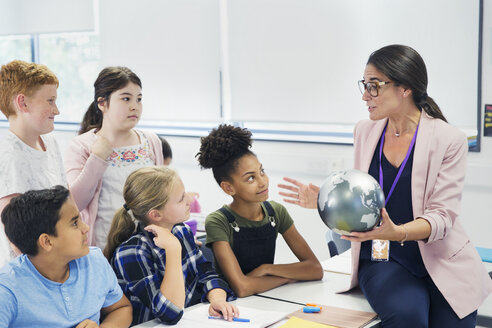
[[350, 201]]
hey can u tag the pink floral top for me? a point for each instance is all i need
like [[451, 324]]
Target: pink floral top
[[130, 154], [121, 163]]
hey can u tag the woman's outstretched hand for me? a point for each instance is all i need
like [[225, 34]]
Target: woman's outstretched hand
[[299, 193]]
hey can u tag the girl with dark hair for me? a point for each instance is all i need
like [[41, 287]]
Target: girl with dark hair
[[243, 234], [433, 275], [109, 148]]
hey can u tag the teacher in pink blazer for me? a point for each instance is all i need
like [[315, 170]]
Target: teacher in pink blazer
[[429, 274]]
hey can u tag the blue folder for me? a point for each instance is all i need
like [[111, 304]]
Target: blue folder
[[485, 254]]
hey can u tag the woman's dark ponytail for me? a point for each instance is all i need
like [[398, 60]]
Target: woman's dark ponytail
[[431, 108]]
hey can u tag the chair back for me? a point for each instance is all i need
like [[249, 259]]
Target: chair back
[[336, 245]]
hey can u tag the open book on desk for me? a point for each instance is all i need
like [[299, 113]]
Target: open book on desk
[[198, 317], [338, 317], [341, 263]]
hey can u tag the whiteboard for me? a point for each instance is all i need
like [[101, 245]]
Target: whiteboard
[[174, 47], [299, 60], [47, 16]]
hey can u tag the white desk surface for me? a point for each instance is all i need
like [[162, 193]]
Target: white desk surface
[[253, 302], [323, 292]]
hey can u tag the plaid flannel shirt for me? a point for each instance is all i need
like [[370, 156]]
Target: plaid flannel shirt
[[139, 266]]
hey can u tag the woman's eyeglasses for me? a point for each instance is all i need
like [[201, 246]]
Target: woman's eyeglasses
[[371, 87]]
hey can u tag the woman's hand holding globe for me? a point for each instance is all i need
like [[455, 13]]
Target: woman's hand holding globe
[[307, 196], [387, 230]]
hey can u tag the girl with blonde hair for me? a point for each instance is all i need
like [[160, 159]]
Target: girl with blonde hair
[[154, 255]]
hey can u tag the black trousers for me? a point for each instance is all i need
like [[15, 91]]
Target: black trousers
[[404, 300]]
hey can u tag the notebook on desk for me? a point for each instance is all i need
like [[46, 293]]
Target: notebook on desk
[[198, 317], [295, 322], [338, 317]]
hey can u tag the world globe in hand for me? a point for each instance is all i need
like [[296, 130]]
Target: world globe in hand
[[350, 201]]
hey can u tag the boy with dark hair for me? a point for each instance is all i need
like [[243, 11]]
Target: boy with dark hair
[[167, 152], [58, 281]]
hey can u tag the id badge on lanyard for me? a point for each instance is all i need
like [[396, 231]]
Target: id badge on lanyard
[[380, 249]]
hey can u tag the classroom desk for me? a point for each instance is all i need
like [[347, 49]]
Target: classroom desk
[[254, 302], [322, 292]]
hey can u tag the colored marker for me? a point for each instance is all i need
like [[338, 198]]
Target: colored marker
[[233, 319], [311, 309]]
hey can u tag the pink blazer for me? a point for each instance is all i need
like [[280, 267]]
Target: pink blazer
[[438, 175], [85, 171]]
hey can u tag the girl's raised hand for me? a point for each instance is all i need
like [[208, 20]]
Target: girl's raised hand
[[102, 148], [301, 194], [164, 238]]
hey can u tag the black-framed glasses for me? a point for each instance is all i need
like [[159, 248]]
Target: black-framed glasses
[[371, 87]]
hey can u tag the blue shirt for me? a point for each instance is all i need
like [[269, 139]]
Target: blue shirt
[[140, 265], [28, 299]]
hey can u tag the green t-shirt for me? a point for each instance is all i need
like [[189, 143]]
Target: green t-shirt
[[219, 229]]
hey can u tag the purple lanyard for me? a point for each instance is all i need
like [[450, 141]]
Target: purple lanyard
[[402, 166]]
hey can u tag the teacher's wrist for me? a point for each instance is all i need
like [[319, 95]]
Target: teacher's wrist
[[403, 234]]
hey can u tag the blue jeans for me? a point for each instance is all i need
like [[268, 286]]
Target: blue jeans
[[404, 300]]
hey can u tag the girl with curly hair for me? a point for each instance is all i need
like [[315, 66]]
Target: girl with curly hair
[[243, 234]]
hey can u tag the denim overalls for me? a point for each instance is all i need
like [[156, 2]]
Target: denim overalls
[[253, 246]]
